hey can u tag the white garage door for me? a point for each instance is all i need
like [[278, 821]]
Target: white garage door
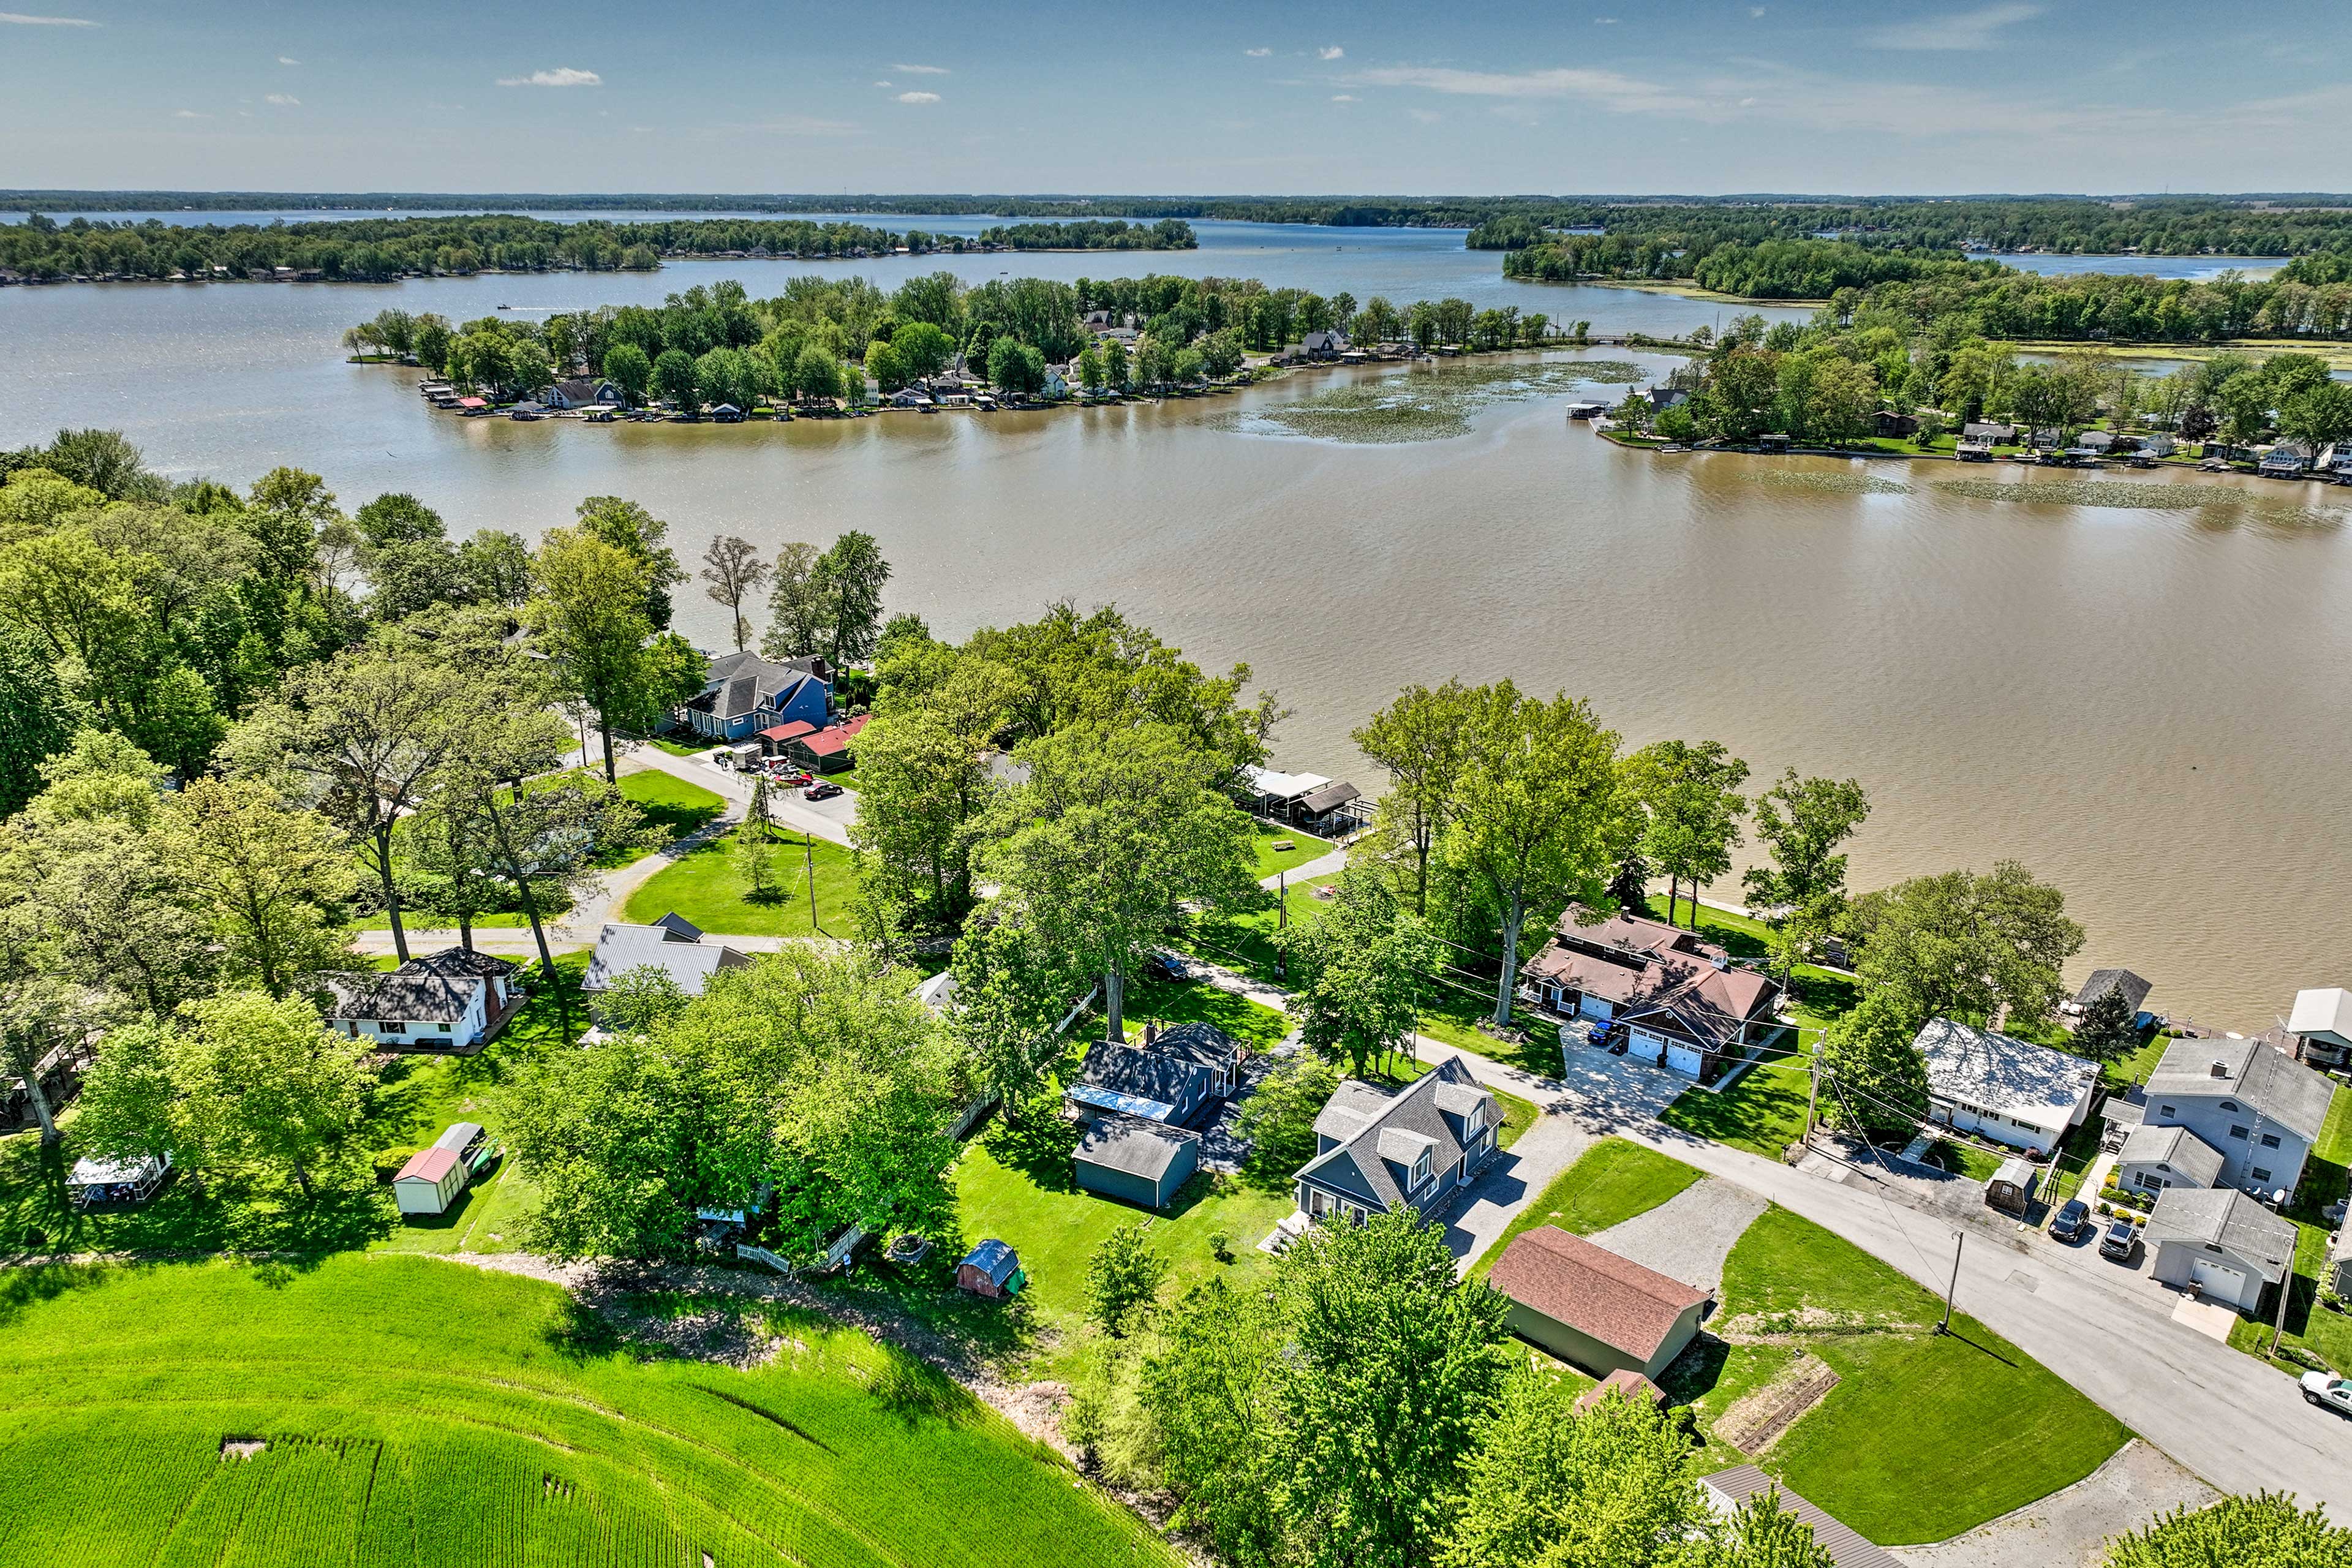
[[2219, 1279], [1644, 1045], [1591, 1006], [1683, 1059]]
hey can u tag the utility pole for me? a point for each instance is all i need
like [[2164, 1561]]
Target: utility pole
[[2286, 1285], [808, 873], [1813, 1095], [1958, 1238], [1281, 922]]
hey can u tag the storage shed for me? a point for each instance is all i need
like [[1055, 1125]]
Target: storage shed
[[1587, 1305], [430, 1182], [1726, 1489], [116, 1180], [2011, 1187], [992, 1270], [1136, 1161]]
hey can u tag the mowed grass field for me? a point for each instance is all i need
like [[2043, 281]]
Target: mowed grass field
[[417, 1412]]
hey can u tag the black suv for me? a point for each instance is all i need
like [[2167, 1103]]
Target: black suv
[[2073, 1222]]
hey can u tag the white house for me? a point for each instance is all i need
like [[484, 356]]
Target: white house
[[2321, 1024], [2008, 1090], [672, 945], [455, 1000]]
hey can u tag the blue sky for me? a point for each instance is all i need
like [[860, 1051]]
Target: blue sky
[[1199, 96]]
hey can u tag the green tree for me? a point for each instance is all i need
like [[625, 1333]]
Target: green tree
[[240, 1081], [1015, 367], [883, 364], [1092, 374], [921, 790], [495, 566], [1211, 1397], [642, 999], [1013, 989], [1278, 1116], [37, 718], [1123, 1279], [272, 882], [816, 375], [1875, 1077], [1113, 830], [796, 609], [644, 538], [588, 616], [626, 367], [674, 381], [1358, 968], [1801, 821], [1690, 794], [2263, 1531], [732, 571], [1536, 820], [923, 350], [1965, 946], [847, 584], [1423, 740], [2106, 1029]]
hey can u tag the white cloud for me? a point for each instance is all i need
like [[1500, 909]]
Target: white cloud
[[188, 114], [1610, 89], [881, 84], [1604, 21], [18, 19], [561, 76], [922, 71], [283, 100], [1344, 98], [1257, 54], [1331, 53], [288, 60], [918, 97], [1757, 12], [1969, 30], [1427, 116]]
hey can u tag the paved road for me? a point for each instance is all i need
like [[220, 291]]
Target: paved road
[[826, 818]]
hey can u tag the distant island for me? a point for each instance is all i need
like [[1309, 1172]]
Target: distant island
[[382, 249]]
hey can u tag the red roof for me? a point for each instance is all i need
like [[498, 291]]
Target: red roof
[[1570, 1281], [471, 402], [432, 1166], [792, 731], [826, 743], [851, 726]]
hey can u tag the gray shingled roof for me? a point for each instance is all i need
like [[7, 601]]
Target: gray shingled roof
[[2183, 1150], [1204, 1045], [414, 999], [455, 962], [621, 948], [2102, 981], [1144, 1074], [2225, 1217], [2270, 1081], [1365, 1167], [1130, 1144]]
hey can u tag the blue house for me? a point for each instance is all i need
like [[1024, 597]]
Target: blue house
[[745, 694]]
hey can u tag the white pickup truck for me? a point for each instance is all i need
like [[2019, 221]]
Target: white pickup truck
[[2328, 1392]]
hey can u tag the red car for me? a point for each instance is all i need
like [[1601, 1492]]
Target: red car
[[821, 792]]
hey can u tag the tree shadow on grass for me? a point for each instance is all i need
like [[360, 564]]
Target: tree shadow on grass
[[21, 1289], [1039, 1146]]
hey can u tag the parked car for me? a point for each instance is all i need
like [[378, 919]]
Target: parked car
[[821, 792], [2121, 1242], [2073, 1222], [2328, 1392]]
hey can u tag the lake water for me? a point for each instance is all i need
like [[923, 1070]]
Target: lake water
[[2146, 706]]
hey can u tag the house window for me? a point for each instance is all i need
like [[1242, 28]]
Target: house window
[[2261, 1175], [2230, 1106], [2165, 1110], [2149, 1183], [2270, 1140], [388, 1027], [2240, 1131], [1421, 1169]]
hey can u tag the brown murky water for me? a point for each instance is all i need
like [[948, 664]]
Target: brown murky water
[[2148, 707]]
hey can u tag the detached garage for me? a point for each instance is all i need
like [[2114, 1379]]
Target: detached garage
[[1588, 1305], [1136, 1161], [2220, 1242], [430, 1182]]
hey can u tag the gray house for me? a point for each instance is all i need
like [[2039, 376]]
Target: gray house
[[2221, 1242], [2154, 1158], [2260, 1108], [1378, 1150], [1137, 1162], [1173, 1076], [671, 945]]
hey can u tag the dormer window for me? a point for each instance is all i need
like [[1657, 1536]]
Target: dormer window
[[1421, 1168]]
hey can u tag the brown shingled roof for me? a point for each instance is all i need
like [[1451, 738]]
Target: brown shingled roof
[[1592, 1289]]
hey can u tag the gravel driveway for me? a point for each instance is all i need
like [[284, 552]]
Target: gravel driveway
[[1687, 1236], [2066, 1528]]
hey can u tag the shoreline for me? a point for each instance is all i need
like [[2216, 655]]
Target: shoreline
[[1667, 286]]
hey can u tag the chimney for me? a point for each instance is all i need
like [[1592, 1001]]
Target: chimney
[[1151, 1032]]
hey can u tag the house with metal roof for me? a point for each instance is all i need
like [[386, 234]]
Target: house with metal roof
[[2220, 1242], [1727, 1489], [2153, 1158], [1593, 1308], [2321, 1024], [2257, 1105], [1414, 1148], [1136, 1161], [673, 945], [455, 1001], [744, 693], [2006, 1089]]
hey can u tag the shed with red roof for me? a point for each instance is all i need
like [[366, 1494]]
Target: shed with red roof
[[430, 1182]]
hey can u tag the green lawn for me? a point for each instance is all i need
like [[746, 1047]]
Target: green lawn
[[415, 1098], [1018, 1188], [1612, 1181], [2309, 1325], [1983, 1429], [416, 1412], [1763, 1112], [1198, 1002], [2334, 1145], [1452, 1014], [1304, 847], [707, 886], [1244, 942], [671, 803]]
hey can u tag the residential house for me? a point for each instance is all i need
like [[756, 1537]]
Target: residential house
[[1682, 1003], [2154, 1158], [455, 1001], [744, 693], [1589, 1307], [827, 749], [1661, 398], [1323, 345], [1413, 1148], [2287, 460], [2099, 441], [1136, 1161], [1174, 1075], [585, 392], [672, 945], [2220, 1243], [2103, 981], [2008, 1090], [1973, 450], [909, 397], [2258, 1106], [1990, 434], [2155, 445], [1727, 1491], [1890, 426], [2321, 1026]]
